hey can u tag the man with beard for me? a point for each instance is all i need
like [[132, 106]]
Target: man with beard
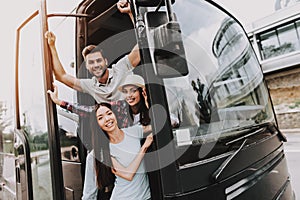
[[103, 86]]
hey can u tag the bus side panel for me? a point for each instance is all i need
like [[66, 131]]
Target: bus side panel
[[270, 186], [258, 169], [267, 187], [200, 176]]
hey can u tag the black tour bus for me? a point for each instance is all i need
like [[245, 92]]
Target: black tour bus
[[197, 63]]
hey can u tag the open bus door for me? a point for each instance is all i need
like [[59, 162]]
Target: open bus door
[[48, 151], [198, 63], [38, 163], [34, 153]]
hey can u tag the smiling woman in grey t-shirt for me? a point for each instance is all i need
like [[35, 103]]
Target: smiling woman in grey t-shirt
[[126, 155]]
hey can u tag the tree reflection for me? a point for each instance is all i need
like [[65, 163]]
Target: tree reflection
[[204, 104]]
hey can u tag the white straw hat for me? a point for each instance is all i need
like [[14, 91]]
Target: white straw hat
[[132, 79]]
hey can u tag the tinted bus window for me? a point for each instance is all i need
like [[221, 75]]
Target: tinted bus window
[[224, 94], [33, 117]]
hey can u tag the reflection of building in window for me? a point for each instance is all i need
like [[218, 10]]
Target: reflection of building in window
[[235, 86]]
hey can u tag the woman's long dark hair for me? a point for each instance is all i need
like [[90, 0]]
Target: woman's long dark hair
[[143, 110], [103, 164]]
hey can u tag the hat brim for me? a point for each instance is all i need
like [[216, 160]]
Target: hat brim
[[120, 88]]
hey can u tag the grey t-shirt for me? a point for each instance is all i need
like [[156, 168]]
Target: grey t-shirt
[[109, 91], [125, 152]]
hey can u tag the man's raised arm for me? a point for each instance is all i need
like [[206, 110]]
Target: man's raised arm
[[134, 55], [59, 72]]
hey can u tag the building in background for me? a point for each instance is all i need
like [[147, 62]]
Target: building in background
[[280, 4], [276, 40]]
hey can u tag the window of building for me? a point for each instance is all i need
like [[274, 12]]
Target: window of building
[[288, 39], [269, 44], [298, 30], [280, 41]]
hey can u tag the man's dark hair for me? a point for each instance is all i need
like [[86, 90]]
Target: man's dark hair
[[91, 49]]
